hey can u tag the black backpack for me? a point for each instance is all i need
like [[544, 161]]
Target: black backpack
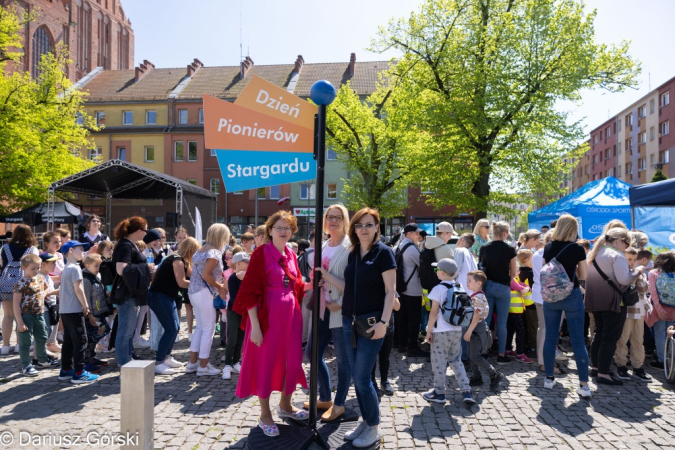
[[401, 282], [303, 264], [428, 277]]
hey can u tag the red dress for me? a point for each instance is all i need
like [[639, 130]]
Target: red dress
[[264, 368]]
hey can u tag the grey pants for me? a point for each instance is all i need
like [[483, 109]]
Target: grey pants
[[481, 339], [446, 348]]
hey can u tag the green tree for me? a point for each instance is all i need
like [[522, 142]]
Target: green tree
[[485, 78], [658, 176], [40, 139], [369, 136]]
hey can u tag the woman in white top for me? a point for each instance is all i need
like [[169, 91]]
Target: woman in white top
[[334, 255], [93, 235]]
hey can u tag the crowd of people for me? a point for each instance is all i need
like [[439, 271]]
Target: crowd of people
[[484, 302]]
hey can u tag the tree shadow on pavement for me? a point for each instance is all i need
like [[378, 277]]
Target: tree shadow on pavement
[[426, 425]]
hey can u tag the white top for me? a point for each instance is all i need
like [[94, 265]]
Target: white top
[[537, 264], [465, 264], [438, 294]]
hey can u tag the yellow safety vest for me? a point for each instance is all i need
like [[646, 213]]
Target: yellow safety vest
[[520, 301]]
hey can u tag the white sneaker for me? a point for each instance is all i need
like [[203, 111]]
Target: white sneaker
[[141, 343], [356, 432], [236, 368], [191, 368], [163, 369], [171, 362], [4, 350], [16, 348], [208, 370], [368, 437], [548, 383], [227, 372], [584, 391], [560, 356]]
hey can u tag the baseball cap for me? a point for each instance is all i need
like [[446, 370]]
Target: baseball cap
[[65, 248], [151, 236], [48, 257], [445, 227], [447, 265], [423, 233], [411, 227], [241, 256]]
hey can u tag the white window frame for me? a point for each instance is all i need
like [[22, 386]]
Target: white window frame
[[642, 112], [595, 139], [608, 153], [213, 152], [642, 164], [95, 154], [145, 153], [273, 195], [196, 151], [201, 115], [124, 118], [312, 191], [147, 117], [642, 138], [664, 156], [118, 153], [175, 150], [664, 128], [665, 99], [100, 115], [629, 168], [608, 132], [180, 116], [214, 185]]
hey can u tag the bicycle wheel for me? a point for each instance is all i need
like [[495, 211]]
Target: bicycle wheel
[[669, 359]]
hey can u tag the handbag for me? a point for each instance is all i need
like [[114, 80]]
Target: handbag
[[363, 322], [630, 296], [218, 302]]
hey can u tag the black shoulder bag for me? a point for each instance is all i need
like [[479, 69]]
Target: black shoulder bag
[[363, 322], [630, 296]]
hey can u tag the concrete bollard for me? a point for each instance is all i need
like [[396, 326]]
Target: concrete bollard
[[138, 403]]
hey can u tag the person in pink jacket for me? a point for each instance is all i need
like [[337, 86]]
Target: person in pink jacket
[[661, 316]]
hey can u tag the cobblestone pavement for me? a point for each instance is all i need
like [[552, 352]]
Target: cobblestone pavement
[[203, 413]]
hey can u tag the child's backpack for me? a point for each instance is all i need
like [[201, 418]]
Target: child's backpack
[[303, 264], [96, 298], [555, 284], [11, 274], [457, 308], [665, 287], [428, 277], [401, 282]]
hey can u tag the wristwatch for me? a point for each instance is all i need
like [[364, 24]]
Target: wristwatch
[[386, 324]]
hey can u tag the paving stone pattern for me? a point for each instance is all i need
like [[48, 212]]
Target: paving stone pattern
[[204, 413]]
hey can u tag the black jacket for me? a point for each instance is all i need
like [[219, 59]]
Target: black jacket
[[134, 282]]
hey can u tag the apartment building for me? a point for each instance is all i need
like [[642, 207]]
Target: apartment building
[[633, 144]]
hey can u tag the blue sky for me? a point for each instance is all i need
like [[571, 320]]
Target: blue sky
[[170, 33]]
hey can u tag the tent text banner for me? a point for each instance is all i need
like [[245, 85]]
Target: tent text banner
[[264, 138]]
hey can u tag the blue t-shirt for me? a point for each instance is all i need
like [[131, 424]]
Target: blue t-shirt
[[370, 291]]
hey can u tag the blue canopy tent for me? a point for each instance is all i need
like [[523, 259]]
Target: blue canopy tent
[[595, 204], [653, 207]]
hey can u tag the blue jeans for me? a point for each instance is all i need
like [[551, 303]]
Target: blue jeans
[[573, 307], [361, 360], [659, 329], [164, 308], [126, 327], [499, 301], [343, 373]]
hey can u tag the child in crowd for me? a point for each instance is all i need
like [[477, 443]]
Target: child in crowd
[[633, 328], [445, 339], [585, 244], [520, 298], [464, 259], [526, 274], [51, 313], [96, 324], [73, 309], [28, 302], [661, 316], [477, 334], [235, 335]]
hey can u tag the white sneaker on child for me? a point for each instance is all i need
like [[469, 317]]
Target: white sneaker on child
[[191, 368], [584, 391], [549, 383], [236, 368], [227, 372]]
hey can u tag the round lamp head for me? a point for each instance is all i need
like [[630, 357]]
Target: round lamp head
[[322, 93]]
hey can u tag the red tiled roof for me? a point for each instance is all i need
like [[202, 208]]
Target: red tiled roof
[[119, 85], [364, 81], [225, 82]]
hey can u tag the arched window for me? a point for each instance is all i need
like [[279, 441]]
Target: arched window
[[42, 44], [83, 38]]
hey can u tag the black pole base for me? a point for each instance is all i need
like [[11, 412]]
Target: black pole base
[[290, 438], [334, 435]]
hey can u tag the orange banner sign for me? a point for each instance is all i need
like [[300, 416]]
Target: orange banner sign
[[264, 97], [230, 126]]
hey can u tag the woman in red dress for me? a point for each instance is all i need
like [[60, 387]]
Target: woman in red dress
[[269, 302]]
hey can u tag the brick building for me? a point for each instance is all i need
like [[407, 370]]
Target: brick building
[[97, 33], [633, 144]]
